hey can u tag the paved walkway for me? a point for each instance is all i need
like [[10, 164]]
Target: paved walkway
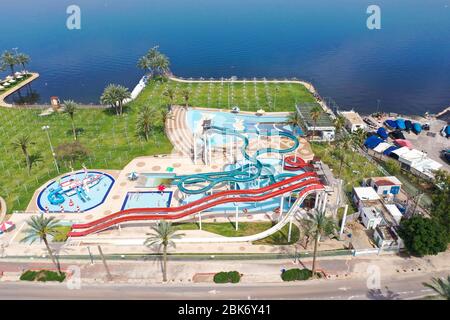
[[9, 92]]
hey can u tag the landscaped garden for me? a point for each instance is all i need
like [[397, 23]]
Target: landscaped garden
[[228, 229], [111, 141]]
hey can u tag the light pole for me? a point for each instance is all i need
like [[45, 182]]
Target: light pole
[[46, 128]]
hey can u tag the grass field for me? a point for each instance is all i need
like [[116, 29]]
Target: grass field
[[227, 229], [112, 140]]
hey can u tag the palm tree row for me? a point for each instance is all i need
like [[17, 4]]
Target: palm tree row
[[10, 59], [155, 62]]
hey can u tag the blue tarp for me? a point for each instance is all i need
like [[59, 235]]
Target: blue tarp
[[447, 130], [417, 127], [389, 150], [391, 123], [372, 142], [382, 133], [401, 124], [408, 125]]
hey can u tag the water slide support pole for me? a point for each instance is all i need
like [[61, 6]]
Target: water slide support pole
[[200, 220], [281, 206], [237, 218], [290, 229]]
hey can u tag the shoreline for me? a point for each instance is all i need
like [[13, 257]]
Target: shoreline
[[7, 93]]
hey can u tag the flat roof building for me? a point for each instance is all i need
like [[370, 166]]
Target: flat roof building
[[353, 120], [323, 128]]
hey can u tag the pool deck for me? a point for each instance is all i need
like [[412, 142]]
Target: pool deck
[[9, 92]]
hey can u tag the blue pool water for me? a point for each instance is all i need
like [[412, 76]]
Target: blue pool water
[[405, 64], [240, 122], [154, 180], [86, 200], [147, 199]]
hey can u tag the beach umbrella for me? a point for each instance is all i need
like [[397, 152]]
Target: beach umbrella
[[12, 81], [2, 87], [401, 124], [403, 143], [17, 73], [6, 84], [7, 225], [9, 78]]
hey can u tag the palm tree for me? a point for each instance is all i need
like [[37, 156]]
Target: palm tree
[[186, 93], [9, 59], [343, 146], [145, 120], [70, 107], [294, 119], [22, 143], [114, 95], [40, 228], [321, 225], [339, 123], [170, 93], [441, 286], [154, 62], [316, 112], [358, 137], [163, 236], [23, 59]]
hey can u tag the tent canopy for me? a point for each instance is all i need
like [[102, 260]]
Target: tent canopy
[[391, 123], [381, 147], [401, 124], [403, 143], [382, 133], [372, 141]]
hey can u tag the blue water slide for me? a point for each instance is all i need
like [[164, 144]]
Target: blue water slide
[[55, 197], [248, 172]]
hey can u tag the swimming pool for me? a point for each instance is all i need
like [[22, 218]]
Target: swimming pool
[[77, 192], [153, 180], [241, 122], [147, 199]]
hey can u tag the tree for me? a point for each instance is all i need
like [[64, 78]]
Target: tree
[[70, 107], [145, 121], [186, 94], [23, 142], [170, 93], [71, 151], [23, 59], [440, 208], [293, 119], [358, 137], [344, 144], [40, 228], [9, 59], [320, 225], [423, 236], [154, 62], [316, 113], [441, 286], [339, 123], [163, 236], [114, 95]]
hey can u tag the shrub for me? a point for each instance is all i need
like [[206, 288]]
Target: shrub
[[392, 166], [28, 275], [71, 151], [42, 276], [296, 274], [226, 277]]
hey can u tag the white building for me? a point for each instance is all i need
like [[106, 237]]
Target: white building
[[363, 196], [370, 217], [386, 237], [385, 185], [353, 121]]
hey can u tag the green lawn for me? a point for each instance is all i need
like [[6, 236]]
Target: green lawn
[[227, 229], [354, 170], [112, 140]]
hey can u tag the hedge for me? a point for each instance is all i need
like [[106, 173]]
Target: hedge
[[296, 274], [226, 277], [42, 275]]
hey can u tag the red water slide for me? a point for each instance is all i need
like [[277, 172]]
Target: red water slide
[[134, 214], [293, 163]]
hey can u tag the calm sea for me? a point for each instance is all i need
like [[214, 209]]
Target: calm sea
[[405, 65]]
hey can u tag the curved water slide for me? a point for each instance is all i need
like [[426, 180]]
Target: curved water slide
[[298, 182], [246, 173], [294, 163]]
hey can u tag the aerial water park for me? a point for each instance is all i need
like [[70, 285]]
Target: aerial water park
[[237, 165]]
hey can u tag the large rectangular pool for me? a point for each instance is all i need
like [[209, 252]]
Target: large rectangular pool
[[147, 199]]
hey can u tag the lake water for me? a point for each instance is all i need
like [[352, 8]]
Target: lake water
[[405, 65]]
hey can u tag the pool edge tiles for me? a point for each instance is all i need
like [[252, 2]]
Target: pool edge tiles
[[98, 203], [127, 199]]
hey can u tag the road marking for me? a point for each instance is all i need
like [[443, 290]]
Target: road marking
[[343, 288]]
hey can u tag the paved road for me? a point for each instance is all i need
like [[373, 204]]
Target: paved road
[[398, 287]]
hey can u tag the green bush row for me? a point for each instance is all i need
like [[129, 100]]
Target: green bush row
[[225, 277], [296, 274], [42, 275]]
